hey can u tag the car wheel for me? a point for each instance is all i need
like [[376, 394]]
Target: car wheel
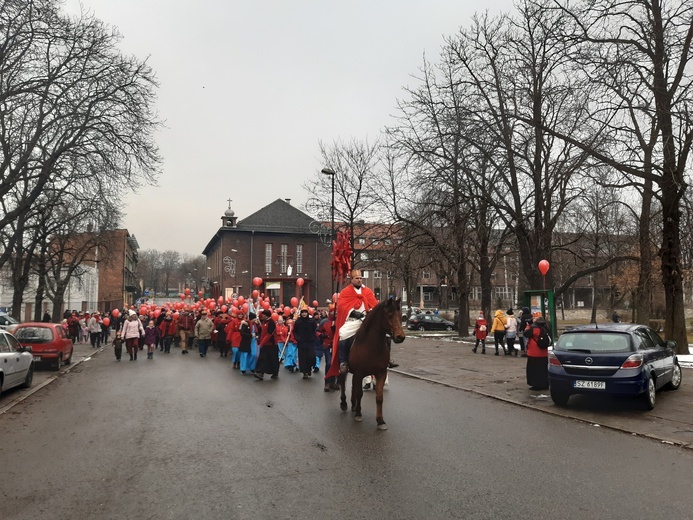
[[651, 393], [676, 377], [421, 327], [58, 364], [29, 377], [448, 327], [560, 398], [69, 360]]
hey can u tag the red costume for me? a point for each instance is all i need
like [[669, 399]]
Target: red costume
[[348, 301]]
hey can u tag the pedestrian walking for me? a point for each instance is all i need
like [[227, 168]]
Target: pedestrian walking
[[186, 323], [168, 330], [268, 359], [131, 332], [203, 332], [498, 330], [510, 332], [304, 331], [525, 321], [95, 330], [117, 346], [220, 323], [151, 336], [480, 333]]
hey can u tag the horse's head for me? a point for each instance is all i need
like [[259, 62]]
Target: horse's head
[[393, 312]]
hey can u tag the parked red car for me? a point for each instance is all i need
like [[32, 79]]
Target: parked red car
[[48, 343]]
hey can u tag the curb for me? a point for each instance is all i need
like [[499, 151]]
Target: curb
[[31, 391], [556, 413]]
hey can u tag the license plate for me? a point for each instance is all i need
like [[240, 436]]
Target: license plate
[[595, 385], [37, 358]]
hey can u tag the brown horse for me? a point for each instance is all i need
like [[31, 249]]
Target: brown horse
[[370, 355]]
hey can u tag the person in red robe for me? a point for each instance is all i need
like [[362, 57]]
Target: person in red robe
[[354, 301]]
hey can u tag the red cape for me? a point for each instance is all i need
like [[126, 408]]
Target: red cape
[[347, 301]]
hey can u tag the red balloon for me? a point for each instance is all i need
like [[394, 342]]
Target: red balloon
[[220, 300], [257, 281], [241, 299], [265, 305], [294, 302], [143, 310], [107, 321], [115, 313], [256, 293], [157, 313], [287, 311], [212, 306], [544, 267], [200, 293], [182, 296], [275, 316], [315, 303], [175, 315], [187, 291], [224, 308], [300, 282], [245, 308]]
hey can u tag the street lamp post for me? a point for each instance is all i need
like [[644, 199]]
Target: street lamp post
[[330, 172]]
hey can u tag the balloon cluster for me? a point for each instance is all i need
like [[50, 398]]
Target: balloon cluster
[[341, 256]]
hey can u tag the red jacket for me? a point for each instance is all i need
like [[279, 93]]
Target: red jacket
[[281, 333], [481, 334], [532, 333], [233, 332], [267, 333], [326, 333]]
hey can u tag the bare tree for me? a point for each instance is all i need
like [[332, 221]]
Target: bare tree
[[73, 108], [647, 44], [355, 199]]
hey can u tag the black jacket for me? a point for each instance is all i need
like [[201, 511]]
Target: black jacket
[[304, 330]]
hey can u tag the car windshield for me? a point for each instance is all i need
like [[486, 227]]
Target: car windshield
[[594, 342], [34, 334]]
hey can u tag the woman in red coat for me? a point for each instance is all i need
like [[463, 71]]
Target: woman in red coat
[[537, 357], [480, 332]]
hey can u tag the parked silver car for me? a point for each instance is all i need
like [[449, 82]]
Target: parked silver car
[[7, 322], [16, 363]]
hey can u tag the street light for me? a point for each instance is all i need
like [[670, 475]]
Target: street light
[[330, 172]]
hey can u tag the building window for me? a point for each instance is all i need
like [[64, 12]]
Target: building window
[[299, 258], [284, 252], [376, 242], [426, 275], [427, 296], [377, 274], [364, 275], [268, 258], [363, 256], [361, 241], [388, 242]]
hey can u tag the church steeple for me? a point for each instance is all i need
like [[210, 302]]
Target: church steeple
[[229, 219]]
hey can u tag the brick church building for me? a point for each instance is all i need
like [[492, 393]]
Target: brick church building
[[278, 243]]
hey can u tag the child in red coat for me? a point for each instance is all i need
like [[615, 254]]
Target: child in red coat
[[480, 332]]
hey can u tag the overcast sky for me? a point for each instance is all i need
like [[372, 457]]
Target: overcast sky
[[249, 88]]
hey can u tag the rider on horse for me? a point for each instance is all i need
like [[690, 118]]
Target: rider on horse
[[354, 301]]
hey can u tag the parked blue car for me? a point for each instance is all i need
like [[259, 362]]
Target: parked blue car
[[615, 359]]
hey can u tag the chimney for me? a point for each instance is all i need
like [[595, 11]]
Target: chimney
[[288, 201]]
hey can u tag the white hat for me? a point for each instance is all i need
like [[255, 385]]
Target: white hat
[[131, 312]]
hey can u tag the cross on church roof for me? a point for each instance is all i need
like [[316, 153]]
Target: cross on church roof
[[229, 200]]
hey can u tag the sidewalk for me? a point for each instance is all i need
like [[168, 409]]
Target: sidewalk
[[45, 375], [451, 362]]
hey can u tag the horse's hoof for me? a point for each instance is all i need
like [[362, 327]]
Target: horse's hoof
[[343, 407], [382, 426], [358, 418]]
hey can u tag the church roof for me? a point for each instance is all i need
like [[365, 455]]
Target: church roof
[[277, 217]]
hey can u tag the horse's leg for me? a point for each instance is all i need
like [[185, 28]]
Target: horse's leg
[[341, 379], [356, 395], [379, 386]]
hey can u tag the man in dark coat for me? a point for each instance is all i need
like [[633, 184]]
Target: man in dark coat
[[304, 332]]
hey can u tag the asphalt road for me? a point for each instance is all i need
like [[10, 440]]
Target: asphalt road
[[182, 437]]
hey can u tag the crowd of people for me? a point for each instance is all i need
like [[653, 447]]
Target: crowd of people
[[530, 328], [257, 342]]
